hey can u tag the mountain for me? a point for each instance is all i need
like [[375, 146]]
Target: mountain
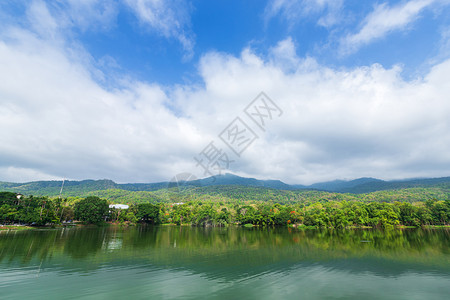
[[81, 188], [143, 187], [53, 187], [380, 185], [344, 185], [230, 179]]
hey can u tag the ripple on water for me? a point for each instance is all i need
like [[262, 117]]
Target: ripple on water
[[238, 264], [13, 276]]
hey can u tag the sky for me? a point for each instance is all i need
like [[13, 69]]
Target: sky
[[302, 91]]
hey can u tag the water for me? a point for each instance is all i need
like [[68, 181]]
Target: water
[[224, 263]]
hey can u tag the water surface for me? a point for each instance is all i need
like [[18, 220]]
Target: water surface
[[224, 263]]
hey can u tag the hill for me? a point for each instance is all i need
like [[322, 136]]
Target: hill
[[232, 186], [53, 187], [380, 185]]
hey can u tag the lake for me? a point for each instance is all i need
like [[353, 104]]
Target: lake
[[224, 263]]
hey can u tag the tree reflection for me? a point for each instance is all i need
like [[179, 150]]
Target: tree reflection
[[204, 249]]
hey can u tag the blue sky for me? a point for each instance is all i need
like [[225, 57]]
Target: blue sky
[[317, 29], [131, 90], [230, 26]]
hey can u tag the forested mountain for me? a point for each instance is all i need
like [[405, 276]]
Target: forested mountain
[[230, 179], [228, 182], [341, 185], [220, 205], [53, 187], [380, 185]]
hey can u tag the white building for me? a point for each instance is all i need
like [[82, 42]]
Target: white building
[[119, 206]]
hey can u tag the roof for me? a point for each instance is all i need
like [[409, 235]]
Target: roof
[[119, 206]]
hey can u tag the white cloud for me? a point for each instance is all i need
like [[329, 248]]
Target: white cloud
[[59, 20], [91, 14], [14, 174], [41, 20], [57, 121], [53, 20], [284, 55], [443, 51], [326, 12], [382, 21], [171, 19], [366, 121], [62, 122]]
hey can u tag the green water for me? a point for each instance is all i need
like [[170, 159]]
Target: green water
[[224, 263]]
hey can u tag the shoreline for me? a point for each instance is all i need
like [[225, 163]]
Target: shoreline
[[27, 227]]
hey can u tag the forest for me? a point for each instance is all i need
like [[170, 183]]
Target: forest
[[230, 206]]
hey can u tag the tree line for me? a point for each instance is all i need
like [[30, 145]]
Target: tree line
[[331, 214]]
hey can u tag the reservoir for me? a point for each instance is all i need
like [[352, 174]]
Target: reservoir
[[170, 262]]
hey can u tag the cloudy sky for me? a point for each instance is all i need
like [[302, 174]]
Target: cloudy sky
[[136, 90]]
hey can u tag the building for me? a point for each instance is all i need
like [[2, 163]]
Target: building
[[119, 206]]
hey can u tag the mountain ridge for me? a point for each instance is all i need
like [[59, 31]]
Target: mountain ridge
[[355, 186]]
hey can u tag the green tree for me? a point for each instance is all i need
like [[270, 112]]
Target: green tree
[[205, 216], [91, 210], [147, 212], [7, 214]]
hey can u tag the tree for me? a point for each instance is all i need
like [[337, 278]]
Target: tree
[[7, 214], [129, 216], [91, 210], [8, 198], [246, 215], [205, 216], [147, 212]]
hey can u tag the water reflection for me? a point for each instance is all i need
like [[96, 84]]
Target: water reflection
[[223, 258], [179, 246]]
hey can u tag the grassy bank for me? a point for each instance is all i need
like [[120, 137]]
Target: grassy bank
[[15, 227]]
